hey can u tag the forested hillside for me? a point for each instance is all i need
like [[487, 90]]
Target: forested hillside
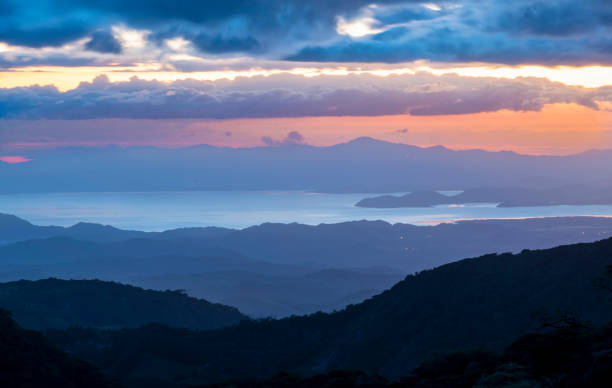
[[483, 302], [55, 303]]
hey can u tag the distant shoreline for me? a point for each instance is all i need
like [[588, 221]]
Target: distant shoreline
[[502, 197]]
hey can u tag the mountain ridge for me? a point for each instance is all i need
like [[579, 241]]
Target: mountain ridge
[[358, 166], [59, 304], [390, 333]]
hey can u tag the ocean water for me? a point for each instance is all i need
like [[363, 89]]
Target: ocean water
[[156, 211]]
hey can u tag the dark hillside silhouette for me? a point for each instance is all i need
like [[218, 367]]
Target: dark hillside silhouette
[[482, 302], [570, 357], [54, 303], [28, 360]]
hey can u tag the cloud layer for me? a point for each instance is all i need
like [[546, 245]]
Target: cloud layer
[[286, 95], [292, 138], [499, 31]]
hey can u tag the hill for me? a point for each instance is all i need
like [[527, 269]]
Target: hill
[[16, 229], [356, 244], [571, 357], [362, 165], [283, 269], [421, 198], [54, 303], [258, 294], [503, 197], [28, 360], [482, 302]]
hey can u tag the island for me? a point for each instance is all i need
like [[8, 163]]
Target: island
[[501, 197]]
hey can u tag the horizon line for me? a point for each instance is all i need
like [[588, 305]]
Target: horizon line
[[10, 151]]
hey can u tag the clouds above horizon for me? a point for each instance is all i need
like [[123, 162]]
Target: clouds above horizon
[[285, 95], [570, 32], [292, 138]]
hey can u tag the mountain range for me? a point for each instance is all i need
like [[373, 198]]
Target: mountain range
[[59, 304], [273, 270], [479, 303], [362, 165]]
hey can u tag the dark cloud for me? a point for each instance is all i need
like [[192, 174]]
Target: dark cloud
[[408, 13], [209, 42], [513, 32], [43, 36], [234, 20], [103, 42], [292, 138], [295, 137], [573, 34], [292, 96], [555, 18], [13, 61], [219, 44], [518, 32]]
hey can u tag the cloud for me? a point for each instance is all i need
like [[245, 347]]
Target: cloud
[[14, 159], [43, 36], [495, 31], [292, 138], [559, 18], [103, 42], [286, 95], [49, 60], [224, 22], [219, 44], [519, 32]]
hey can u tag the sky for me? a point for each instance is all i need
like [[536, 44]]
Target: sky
[[525, 75]]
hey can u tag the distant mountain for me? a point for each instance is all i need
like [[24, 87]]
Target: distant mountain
[[279, 295], [362, 165], [483, 302], [503, 197], [65, 249], [54, 303], [16, 229], [27, 360], [420, 198], [258, 288], [13, 229], [407, 247], [283, 269], [343, 245], [357, 244]]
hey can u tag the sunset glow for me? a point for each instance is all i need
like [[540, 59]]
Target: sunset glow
[[417, 73], [14, 159], [67, 78]]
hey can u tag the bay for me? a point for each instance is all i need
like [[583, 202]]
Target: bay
[[157, 211]]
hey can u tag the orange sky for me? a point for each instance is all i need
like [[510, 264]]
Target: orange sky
[[66, 78], [557, 129]]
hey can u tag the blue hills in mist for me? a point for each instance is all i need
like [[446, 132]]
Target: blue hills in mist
[[360, 165], [160, 338], [272, 269]]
